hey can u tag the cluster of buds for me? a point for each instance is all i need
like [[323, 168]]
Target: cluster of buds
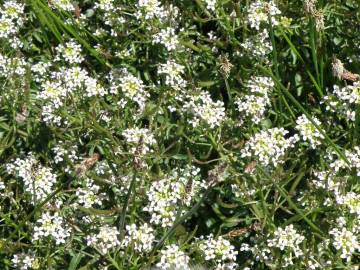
[[317, 14], [225, 65], [310, 6], [340, 72]]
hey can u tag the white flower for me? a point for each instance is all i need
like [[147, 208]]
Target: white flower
[[38, 180], [11, 20], [218, 250], [166, 195], [287, 238], [130, 86], [150, 9], [140, 238], [106, 5], [204, 109], [308, 131], [12, 66], [351, 200], [62, 151], [168, 38], [258, 46], [349, 93], [327, 180], [102, 168], [269, 146], [53, 226], [105, 240], [12, 10], [70, 52], [140, 139], [352, 156], [63, 85], [87, 195], [63, 4], [345, 241], [260, 85], [211, 4], [7, 27], [253, 105], [39, 70], [73, 78], [24, 261], [344, 100], [93, 88], [172, 258], [259, 12], [54, 92], [49, 116], [173, 72]]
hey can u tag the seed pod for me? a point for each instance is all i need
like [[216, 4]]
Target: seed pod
[[310, 6]]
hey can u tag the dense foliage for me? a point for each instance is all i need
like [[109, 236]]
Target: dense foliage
[[184, 134]]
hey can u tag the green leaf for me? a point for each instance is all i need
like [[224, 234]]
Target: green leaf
[[75, 261]]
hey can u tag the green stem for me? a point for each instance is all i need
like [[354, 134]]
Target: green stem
[[126, 204]]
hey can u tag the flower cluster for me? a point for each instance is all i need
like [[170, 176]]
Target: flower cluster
[[52, 226], [69, 52], [287, 239], [258, 46], [106, 5], [343, 100], [10, 66], [141, 239], [173, 72], [63, 85], [308, 130], [38, 179], [168, 38], [351, 200], [260, 11], [110, 15], [352, 161], [149, 9], [173, 258], [165, 196], [105, 240], [88, 195], [269, 146], [64, 153], [139, 139], [65, 5], [211, 4], [253, 105], [327, 180], [24, 261], [205, 110], [345, 241], [130, 86], [11, 21], [218, 250]]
